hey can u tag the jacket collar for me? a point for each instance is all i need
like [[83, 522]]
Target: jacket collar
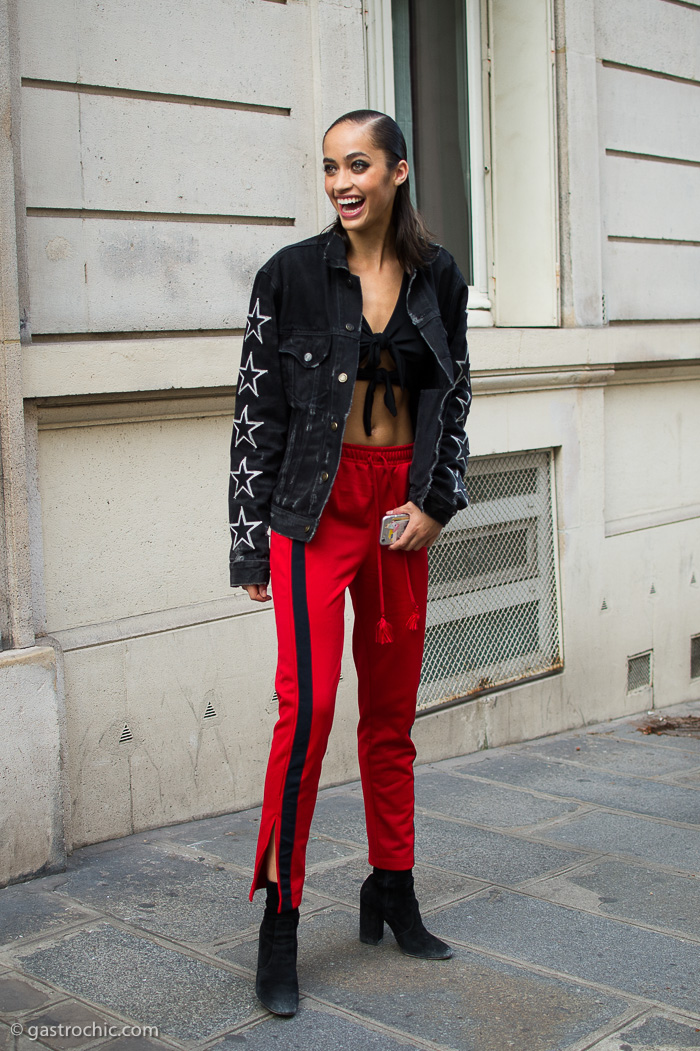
[[335, 254]]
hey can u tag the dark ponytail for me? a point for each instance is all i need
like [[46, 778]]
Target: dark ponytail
[[414, 242]]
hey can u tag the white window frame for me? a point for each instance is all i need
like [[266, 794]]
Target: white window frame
[[380, 95]]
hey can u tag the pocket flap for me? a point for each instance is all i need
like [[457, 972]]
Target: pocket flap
[[309, 350]]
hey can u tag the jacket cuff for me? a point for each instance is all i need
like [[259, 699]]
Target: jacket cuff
[[438, 509], [249, 572]]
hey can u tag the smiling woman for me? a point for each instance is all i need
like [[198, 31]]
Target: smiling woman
[[352, 398]]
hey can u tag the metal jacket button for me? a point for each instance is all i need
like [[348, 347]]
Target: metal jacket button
[[350, 327], [342, 378], [334, 426], [324, 476], [308, 356]]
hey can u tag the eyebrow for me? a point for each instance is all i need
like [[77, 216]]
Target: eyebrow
[[349, 157]]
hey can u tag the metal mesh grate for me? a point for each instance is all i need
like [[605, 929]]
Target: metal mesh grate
[[638, 671], [492, 598], [695, 657]]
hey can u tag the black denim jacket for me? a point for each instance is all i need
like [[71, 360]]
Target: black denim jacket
[[295, 387]]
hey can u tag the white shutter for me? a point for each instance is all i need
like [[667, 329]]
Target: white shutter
[[523, 153]]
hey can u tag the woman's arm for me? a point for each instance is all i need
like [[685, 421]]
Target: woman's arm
[[447, 493], [259, 438]]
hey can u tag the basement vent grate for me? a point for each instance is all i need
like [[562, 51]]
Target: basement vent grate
[[695, 657], [210, 711], [126, 735], [639, 671], [493, 603]]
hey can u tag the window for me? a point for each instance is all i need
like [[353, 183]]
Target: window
[[425, 67], [493, 608], [430, 87]]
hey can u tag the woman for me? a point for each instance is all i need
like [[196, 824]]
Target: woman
[[352, 396]]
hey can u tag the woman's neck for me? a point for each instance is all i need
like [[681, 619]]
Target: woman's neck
[[371, 250]]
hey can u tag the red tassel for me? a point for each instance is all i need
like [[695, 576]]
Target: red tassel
[[413, 621], [384, 631]]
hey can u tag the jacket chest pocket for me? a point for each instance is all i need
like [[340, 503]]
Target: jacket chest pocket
[[304, 360]]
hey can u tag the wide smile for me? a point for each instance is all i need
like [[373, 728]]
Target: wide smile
[[350, 207]]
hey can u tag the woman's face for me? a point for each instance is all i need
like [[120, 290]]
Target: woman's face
[[359, 184]]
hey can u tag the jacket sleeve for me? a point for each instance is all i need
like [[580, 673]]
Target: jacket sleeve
[[260, 424], [447, 494]]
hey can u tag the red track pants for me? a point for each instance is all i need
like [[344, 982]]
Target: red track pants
[[389, 595]]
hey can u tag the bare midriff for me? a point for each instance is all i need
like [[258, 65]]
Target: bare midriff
[[386, 428]]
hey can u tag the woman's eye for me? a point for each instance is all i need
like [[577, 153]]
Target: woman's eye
[[329, 169], [359, 166]]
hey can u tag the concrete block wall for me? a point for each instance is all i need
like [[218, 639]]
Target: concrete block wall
[[157, 180]]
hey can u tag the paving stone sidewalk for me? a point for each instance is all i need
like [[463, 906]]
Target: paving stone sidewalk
[[565, 871]]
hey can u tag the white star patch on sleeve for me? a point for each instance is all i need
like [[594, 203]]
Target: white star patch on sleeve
[[243, 477], [255, 322], [462, 363], [248, 376], [244, 428], [464, 409], [242, 529], [459, 483], [460, 441]]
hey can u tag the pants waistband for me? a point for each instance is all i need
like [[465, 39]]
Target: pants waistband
[[377, 454]]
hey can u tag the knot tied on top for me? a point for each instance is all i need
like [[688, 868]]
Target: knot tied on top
[[406, 358]]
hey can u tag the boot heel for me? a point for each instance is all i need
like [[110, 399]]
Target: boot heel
[[371, 925]]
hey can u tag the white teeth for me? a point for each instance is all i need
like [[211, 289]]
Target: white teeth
[[349, 200]]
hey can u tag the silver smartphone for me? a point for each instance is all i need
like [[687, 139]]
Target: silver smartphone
[[392, 528]]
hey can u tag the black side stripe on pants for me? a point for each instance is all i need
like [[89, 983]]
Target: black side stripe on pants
[[302, 732]]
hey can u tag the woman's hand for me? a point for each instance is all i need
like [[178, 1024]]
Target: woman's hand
[[258, 592], [421, 531]]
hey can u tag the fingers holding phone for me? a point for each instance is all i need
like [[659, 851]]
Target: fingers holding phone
[[419, 531]]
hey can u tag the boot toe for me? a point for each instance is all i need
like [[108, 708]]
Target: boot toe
[[436, 950], [282, 1002]]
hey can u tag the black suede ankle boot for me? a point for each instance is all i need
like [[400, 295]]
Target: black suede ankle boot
[[389, 896], [276, 985]]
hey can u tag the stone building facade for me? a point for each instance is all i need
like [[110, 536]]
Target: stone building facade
[[152, 156]]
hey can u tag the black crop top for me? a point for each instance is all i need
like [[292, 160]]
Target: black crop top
[[408, 350]]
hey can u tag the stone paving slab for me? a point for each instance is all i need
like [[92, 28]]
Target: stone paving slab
[[655, 798], [313, 1029], [233, 838], [652, 1032], [470, 1003], [164, 893], [184, 997], [484, 804], [9, 1042], [628, 731], [655, 841], [483, 854], [342, 883], [648, 896], [340, 814], [581, 921], [597, 949], [27, 912], [133, 1043], [624, 757], [17, 995], [692, 780], [52, 1022]]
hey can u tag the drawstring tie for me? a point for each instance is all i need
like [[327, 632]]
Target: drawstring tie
[[384, 632]]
